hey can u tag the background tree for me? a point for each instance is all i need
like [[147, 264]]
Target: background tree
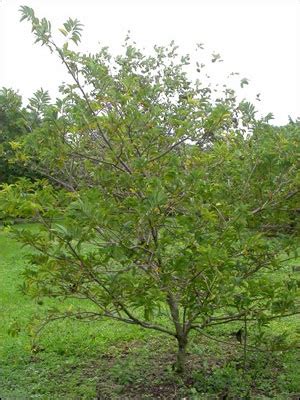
[[13, 125], [166, 198], [16, 122]]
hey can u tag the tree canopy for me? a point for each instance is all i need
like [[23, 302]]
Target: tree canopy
[[12, 127], [16, 122]]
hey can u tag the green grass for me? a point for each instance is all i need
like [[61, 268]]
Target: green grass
[[67, 346], [76, 360]]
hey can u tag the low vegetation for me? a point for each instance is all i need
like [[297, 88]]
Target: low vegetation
[[109, 360]]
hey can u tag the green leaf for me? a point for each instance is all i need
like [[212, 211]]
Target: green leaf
[[244, 82]]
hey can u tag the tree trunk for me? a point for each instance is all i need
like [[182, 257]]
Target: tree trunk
[[182, 330], [181, 354]]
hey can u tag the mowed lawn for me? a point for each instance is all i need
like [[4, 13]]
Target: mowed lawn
[[65, 366], [107, 360]]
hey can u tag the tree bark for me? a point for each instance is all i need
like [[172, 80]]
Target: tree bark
[[181, 354], [182, 331]]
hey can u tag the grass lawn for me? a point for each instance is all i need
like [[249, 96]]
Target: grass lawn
[[107, 360]]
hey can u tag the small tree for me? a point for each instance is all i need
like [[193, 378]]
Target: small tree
[[158, 200]]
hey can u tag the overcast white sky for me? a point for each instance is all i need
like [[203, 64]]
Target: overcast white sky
[[258, 38]]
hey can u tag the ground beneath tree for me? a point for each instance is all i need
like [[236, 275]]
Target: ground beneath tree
[[143, 370]]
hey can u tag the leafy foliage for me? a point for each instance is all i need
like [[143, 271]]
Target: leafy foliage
[[16, 122], [39, 101], [72, 28], [13, 126]]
